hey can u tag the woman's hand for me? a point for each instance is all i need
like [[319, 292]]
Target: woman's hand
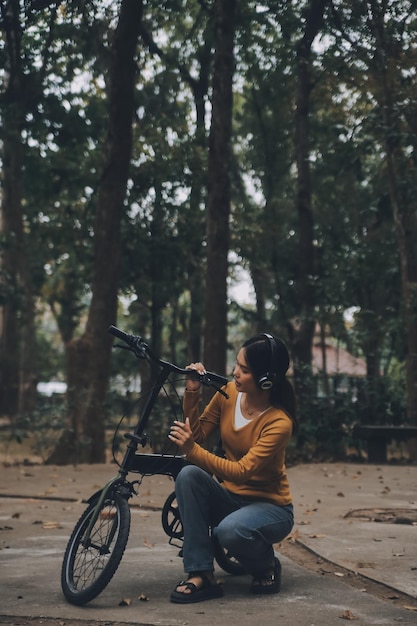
[[191, 383], [181, 435]]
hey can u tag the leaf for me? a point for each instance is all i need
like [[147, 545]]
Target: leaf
[[125, 602], [143, 598], [348, 615], [148, 545], [108, 513], [365, 564], [410, 608], [293, 536], [50, 525]]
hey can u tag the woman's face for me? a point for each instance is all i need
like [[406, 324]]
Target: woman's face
[[244, 380]]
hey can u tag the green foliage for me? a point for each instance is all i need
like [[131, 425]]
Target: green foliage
[[325, 426], [37, 432], [65, 59], [51, 359]]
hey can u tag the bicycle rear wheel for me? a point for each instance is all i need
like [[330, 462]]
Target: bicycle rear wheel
[[225, 560], [171, 520], [89, 564]]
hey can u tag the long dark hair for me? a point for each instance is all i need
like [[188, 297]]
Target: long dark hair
[[268, 354]]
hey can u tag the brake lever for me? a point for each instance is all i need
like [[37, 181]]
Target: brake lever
[[206, 380], [220, 390], [137, 349], [123, 347]]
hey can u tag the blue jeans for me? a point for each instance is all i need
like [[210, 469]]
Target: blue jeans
[[245, 527]]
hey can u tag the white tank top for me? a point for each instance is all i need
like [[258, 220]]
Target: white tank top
[[240, 421]]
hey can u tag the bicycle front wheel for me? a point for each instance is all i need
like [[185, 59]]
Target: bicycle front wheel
[[90, 562]]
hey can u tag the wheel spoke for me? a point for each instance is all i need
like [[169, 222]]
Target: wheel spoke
[[89, 564]]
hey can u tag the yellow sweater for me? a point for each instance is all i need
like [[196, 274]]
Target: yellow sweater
[[255, 454]]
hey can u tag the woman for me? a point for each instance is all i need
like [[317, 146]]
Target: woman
[[248, 504]]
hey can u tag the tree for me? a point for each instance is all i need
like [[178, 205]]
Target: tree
[[89, 355], [185, 67], [218, 196], [390, 61], [385, 54], [303, 330], [22, 92]]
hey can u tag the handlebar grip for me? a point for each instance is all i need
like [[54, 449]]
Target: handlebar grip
[[135, 343], [120, 334], [216, 378]]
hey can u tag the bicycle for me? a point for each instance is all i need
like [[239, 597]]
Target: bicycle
[[98, 540]]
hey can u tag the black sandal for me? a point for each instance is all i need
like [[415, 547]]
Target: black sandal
[[207, 591], [270, 583]]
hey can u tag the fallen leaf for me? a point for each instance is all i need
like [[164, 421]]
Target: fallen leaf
[[15, 515], [143, 598], [348, 615], [50, 525], [363, 564], [339, 574], [293, 537], [108, 513], [125, 602], [410, 608]]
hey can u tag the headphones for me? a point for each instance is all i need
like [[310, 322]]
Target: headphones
[[265, 381]]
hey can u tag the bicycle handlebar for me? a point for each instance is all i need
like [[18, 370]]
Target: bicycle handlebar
[[141, 350]]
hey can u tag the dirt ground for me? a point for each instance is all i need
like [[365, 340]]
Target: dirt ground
[[7, 620], [291, 549], [302, 556], [14, 453]]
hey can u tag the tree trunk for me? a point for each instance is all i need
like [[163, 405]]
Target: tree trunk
[[191, 223], [195, 224], [218, 199], [390, 81], [17, 334], [89, 356], [303, 331]]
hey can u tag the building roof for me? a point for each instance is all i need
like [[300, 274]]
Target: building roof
[[338, 361]]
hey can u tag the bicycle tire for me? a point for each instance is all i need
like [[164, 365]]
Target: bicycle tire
[[88, 569], [171, 520], [225, 560]]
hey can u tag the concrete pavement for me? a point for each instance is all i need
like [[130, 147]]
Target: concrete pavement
[[337, 510]]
